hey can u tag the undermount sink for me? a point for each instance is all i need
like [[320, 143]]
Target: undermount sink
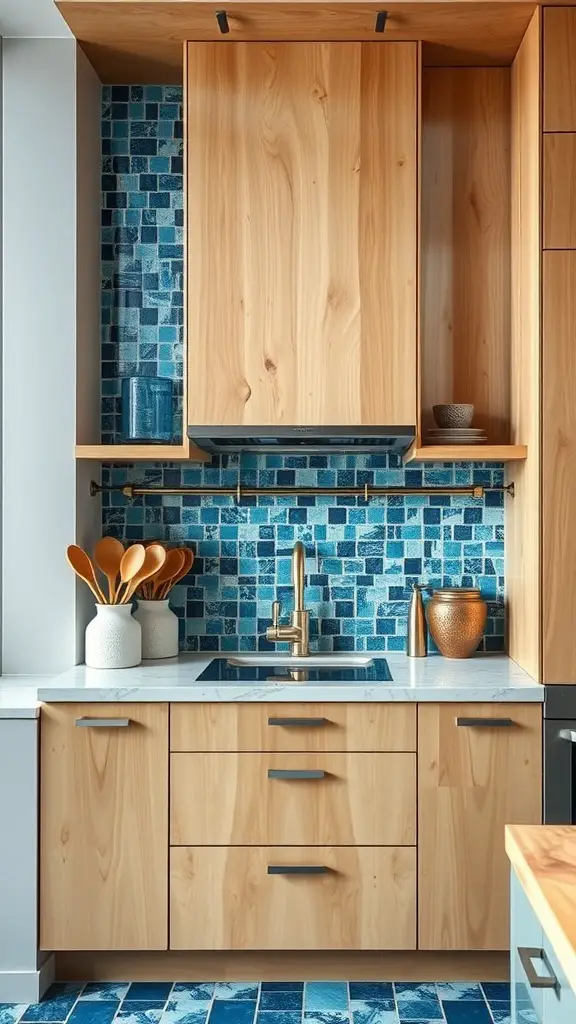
[[311, 662]]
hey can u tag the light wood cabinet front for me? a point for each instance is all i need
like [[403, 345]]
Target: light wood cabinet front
[[559, 207], [473, 779], [225, 898], [293, 799], [298, 727], [558, 465], [559, 114], [302, 229], [104, 827]]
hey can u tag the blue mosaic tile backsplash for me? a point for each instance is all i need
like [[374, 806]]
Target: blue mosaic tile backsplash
[[142, 243], [360, 557]]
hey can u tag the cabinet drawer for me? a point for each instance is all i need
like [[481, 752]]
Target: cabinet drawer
[[309, 799], [559, 189], [236, 898], [277, 727]]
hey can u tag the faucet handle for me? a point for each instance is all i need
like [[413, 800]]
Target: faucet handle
[[276, 612]]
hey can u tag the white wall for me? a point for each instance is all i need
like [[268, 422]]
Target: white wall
[[24, 974], [48, 88]]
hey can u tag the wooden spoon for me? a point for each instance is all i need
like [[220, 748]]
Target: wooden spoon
[[171, 567], [131, 564], [154, 559], [184, 570], [83, 567], [108, 554]]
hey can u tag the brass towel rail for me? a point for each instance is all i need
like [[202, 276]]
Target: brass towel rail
[[365, 492]]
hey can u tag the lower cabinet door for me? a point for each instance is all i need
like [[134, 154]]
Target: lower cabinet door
[[526, 941], [479, 769], [104, 826], [559, 997], [293, 898]]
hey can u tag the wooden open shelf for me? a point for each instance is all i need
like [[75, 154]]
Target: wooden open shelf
[[466, 453], [141, 452], [466, 295]]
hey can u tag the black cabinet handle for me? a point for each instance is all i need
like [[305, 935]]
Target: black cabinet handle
[[485, 723], [297, 869], [295, 773], [535, 980], [297, 723]]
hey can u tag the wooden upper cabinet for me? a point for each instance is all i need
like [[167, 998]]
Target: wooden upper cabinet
[[473, 779], [558, 465], [302, 203], [559, 206], [559, 69], [104, 827]]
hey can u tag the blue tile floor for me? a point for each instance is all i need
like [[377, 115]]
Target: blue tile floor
[[271, 1002]]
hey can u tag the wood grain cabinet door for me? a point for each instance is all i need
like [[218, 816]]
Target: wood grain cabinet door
[[559, 114], [104, 827], [558, 465], [475, 775], [302, 204]]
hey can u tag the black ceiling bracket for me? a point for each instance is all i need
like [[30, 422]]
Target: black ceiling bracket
[[222, 19], [381, 21]]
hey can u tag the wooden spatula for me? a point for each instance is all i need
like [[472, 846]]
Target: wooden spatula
[[83, 567], [108, 554], [154, 558]]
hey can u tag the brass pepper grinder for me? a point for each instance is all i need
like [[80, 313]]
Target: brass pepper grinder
[[417, 636]]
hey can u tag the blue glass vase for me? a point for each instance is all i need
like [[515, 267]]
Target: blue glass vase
[[147, 410]]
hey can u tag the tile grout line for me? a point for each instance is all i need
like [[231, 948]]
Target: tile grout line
[[257, 1007]]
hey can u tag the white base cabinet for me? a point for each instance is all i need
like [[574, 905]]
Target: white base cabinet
[[540, 989]]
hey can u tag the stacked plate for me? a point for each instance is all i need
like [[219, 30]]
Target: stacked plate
[[456, 435]]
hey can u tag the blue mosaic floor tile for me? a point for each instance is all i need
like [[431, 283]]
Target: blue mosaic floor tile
[[279, 1017], [371, 990], [325, 995], [182, 1012], [11, 1012], [97, 1011], [467, 1012], [139, 1016], [105, 990], [236, 990], [55, 1007], [282, 986], [136, 1005], [501, 1012], [498, 990], [232, 1011], [453, 990], [417, 1002], [193, 990], [150, 991], [326, 1017], [373, 1011], [280, 1000]]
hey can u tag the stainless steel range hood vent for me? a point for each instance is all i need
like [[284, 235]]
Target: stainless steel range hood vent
[[302, 439]]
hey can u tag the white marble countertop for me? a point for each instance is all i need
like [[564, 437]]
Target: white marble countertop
[[493, 678]]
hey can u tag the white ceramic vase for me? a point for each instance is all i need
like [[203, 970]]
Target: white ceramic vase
[[113, 638], [159, 629]]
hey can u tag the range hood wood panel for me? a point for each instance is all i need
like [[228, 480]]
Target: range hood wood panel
[[302, 234]]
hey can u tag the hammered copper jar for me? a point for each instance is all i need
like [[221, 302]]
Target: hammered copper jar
[[456, 617]]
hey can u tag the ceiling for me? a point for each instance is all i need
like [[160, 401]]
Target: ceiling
[[29, 18]]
